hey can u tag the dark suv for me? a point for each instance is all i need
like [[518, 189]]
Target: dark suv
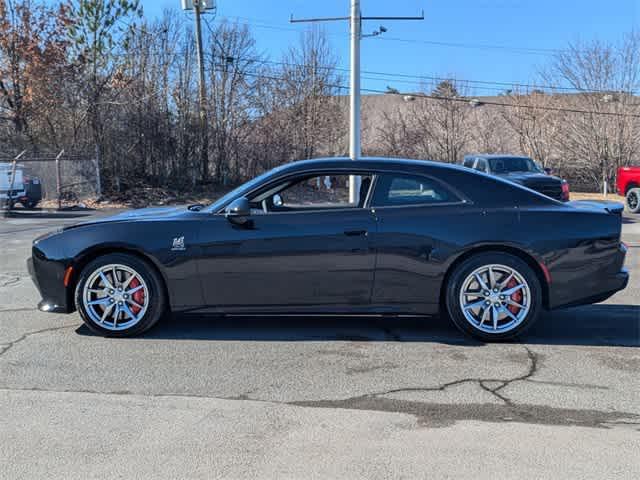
[[522, 170]]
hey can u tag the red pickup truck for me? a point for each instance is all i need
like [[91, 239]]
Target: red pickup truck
[[628, 184]]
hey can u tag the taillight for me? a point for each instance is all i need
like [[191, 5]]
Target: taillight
[[566, 193]]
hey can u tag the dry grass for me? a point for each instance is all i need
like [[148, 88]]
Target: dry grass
[[614, 197]]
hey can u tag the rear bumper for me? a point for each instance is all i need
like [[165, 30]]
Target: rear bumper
[[594, 274], [606, 288]]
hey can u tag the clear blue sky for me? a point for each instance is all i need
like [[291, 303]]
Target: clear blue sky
[[542, 26]]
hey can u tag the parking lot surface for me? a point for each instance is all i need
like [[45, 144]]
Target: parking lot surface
[[201, 397]]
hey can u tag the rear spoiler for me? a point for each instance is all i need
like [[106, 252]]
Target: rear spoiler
[[614, 208]]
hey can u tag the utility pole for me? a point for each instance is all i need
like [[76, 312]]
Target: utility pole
[[355, 19], [204, 137], [200, 7]]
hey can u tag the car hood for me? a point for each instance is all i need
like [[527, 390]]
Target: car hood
[[142, 214], [527, 178]]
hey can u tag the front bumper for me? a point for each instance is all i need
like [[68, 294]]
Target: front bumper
[[48, 279]]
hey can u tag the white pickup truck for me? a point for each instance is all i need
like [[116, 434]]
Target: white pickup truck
[[26, 190]]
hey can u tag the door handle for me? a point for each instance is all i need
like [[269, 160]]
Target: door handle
[[355, 233]]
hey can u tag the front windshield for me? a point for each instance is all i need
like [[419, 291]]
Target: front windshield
[[513, 164], [245, 187]]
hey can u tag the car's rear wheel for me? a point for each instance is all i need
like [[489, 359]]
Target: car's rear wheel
[[120, 295], [633, 200], [494, 296]]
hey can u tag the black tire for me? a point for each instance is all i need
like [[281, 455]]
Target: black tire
[[633, 200], [29, 204], [157, 302], [466, 268]]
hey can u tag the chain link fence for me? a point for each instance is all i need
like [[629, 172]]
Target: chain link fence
[[48, 180]]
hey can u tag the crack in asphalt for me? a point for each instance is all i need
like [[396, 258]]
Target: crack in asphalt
[[8, 346], [482, 382], [8, 280], [431, 415], [589, 386]]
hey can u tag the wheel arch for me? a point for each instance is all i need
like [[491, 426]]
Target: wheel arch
[[515, 251], [630, 185], [82, 260]]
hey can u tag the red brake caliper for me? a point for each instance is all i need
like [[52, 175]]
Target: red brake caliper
[[516, 297], [137, 297]]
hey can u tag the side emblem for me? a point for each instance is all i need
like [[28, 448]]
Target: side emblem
[[178, 244]]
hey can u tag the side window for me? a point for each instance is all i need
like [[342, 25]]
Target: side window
[[481, 165], [468, 162], [313, 193], [396, 189]]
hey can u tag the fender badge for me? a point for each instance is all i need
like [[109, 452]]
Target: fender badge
[[178, 244]]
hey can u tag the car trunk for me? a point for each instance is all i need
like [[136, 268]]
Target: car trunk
[[614, 208]]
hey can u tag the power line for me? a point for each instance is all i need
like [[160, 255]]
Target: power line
[[466, 100], [491, 85], [506, 48], [421, 78]]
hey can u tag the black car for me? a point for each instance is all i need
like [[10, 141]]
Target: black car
[[522, 170], [420, 238]]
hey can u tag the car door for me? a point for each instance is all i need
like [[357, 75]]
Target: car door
[[415, 214], [291, 255]]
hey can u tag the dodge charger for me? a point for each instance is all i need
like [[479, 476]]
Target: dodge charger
[[334, 236]]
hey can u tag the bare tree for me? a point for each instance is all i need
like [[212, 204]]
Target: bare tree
[[535, 123], [231, 67], [606, 75]]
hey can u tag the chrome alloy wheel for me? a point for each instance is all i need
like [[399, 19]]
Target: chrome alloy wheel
[[115, 297], [495, 298]]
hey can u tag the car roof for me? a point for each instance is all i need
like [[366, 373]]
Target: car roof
[[375, 163]]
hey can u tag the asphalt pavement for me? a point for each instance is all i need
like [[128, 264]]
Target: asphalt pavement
[[207, 397]]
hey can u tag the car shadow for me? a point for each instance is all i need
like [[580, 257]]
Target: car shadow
[[594, 325]]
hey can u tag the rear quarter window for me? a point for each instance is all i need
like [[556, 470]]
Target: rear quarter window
[[398, 190]]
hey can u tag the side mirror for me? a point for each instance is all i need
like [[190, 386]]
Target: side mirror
[[238, 211], [548, 171]]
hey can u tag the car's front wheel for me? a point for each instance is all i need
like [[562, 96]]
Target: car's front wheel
[[120, 295], [633, 200], [493, 296]]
